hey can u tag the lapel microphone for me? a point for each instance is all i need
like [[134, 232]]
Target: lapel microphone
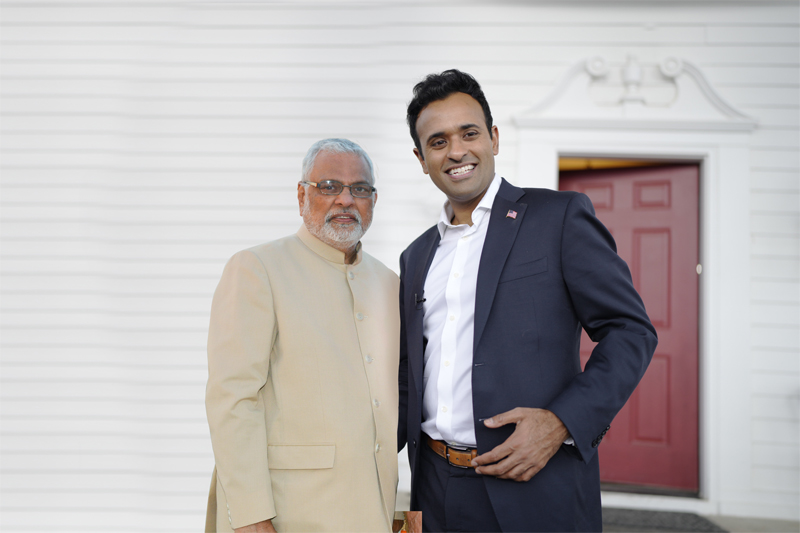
[[418, 301]]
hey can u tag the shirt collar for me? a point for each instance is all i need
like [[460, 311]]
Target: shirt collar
[[327, 252], [480, 212]]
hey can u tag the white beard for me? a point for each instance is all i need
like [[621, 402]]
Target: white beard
[[332, 235]]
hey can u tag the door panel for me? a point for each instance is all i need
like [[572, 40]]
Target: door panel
[[652, 212]]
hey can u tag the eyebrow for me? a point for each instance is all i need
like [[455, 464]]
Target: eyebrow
[[441, 133]]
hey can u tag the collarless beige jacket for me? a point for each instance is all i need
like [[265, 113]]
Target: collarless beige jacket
[[302, 391]]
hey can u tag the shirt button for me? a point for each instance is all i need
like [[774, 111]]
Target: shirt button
[[351, 275], [452, 317], [456, 274], [359, 316], [447, 363], [377, 448], [368, 359], [444, 408], [377, 403]]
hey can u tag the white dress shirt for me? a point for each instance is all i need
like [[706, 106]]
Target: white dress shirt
[[449, 324]]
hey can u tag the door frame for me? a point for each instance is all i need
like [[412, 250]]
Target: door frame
[[629, 177], [724, 286]]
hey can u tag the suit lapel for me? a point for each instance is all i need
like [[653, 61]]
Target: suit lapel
[[504, 222], [416, 314]]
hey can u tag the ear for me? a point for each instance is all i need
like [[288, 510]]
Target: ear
[[495, 140], [301, 197], [421, 161]]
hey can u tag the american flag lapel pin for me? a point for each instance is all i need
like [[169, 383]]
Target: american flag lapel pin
[[511, 214]]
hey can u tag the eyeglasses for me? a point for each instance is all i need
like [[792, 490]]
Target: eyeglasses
[[333, 188]]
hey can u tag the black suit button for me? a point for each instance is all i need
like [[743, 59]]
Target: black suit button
[[414, 442]]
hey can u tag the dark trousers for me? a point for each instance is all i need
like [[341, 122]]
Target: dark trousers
[[451, 498]]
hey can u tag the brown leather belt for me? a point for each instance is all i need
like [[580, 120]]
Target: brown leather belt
[[456, 457]]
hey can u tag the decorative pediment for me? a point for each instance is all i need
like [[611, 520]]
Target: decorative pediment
[[671, 95]]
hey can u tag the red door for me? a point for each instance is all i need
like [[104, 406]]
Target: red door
[[652, 212]]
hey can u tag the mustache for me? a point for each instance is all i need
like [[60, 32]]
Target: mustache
[[343, 211]]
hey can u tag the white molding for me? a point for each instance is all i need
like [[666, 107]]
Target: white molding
[[636, 125], [648, 502], [639, 99], [708, 91]]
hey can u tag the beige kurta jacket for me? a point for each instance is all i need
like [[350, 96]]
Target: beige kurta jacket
[[302, 392]]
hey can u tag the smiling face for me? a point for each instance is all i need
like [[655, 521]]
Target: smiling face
[[338, 221], [457, 150]]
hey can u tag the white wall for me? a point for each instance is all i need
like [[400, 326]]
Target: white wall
[[144, 143]]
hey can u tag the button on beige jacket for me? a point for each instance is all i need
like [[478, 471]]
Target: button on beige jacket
[[302, 389]]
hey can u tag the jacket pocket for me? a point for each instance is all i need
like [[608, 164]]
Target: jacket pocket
[[300, 456], [523, 270]]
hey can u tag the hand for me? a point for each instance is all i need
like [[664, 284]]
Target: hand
[[536, 439], [259, 527], [414, 519]]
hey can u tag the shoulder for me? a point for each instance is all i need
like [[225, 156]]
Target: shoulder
[[377, 267], [540, 198], [548, 196], [421, 242], [278, 245], [277, 249], [259, 257], [547, 202]]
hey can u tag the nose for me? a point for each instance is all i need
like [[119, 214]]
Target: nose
[[457, 150], [345, 198]]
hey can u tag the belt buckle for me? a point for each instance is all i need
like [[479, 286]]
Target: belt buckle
[[451, 463]]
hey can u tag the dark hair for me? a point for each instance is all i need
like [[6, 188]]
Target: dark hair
[[438, 87]]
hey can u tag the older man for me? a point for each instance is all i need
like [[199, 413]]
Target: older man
[[303, 357]]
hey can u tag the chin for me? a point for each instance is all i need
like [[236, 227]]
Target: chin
[[341, 238]]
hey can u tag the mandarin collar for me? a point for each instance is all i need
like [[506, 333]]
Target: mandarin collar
[[327, 252]]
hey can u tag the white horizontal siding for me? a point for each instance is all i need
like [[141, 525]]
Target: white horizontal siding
[[775, 407], [777, 361], [775, 289], [144, 143], [776, 181], [775, 455]]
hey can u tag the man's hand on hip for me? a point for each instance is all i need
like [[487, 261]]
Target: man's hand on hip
[[259, 527], [536, 439]]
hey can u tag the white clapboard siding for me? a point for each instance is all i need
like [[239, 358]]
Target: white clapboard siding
[[143, 143]]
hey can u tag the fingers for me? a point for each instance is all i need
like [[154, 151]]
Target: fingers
[[498, 469], [501, 460], [493, 456], [527, 450], [523, 475], [510, 468], [509, 417]]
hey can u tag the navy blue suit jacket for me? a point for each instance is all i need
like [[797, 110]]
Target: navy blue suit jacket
[[542, 277]]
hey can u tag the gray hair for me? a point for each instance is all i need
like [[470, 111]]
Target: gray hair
[[335, 146]]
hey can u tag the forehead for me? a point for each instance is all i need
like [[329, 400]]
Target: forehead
[[449, 114], [345, 167]]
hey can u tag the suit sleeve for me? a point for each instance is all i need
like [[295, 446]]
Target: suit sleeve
[[612, 313], [402, 419], [240, 338]]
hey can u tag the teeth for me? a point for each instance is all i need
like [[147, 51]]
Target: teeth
[[461, 170]]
